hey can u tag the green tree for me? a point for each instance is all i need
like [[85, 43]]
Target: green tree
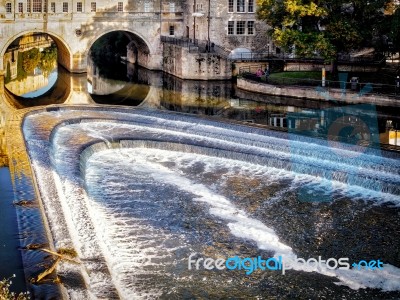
[[7, 78], [30, 59], [323, 27], [21, 73], [48, 60]]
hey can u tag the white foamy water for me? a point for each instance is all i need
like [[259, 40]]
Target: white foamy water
[[129, 234], [149, 161]]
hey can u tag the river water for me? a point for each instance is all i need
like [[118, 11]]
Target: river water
[[178, 185], [131, 85], [152, 206]]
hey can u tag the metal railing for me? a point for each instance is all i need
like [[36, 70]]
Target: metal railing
[[251, 56], [196, 45], [184, 42], [219, 50]]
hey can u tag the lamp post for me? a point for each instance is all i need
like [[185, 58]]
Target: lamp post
[[194, 20], [208, 25]]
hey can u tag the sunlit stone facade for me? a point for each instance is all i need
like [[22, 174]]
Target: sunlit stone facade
[[228, 23], [76, 25]]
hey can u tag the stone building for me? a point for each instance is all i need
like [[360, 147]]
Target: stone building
[[230, 24], [75, 25]]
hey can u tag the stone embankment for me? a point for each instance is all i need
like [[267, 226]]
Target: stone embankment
[[313, 93]]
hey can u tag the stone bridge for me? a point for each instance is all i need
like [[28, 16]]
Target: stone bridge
[[75, 26]]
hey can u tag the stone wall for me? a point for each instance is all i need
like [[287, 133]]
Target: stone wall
[[309, 66], [217, 28], [179, 62], [251, 66], [313, 94], [302, 66]]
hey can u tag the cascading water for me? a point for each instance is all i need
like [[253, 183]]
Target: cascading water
[[164, 186]]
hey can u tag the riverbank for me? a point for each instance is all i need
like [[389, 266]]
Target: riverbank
[[313, 93], [29, 226]]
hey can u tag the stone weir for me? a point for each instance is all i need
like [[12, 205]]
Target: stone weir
[[61, 140]]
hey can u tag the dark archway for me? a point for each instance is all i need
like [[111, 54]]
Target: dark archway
[[140, 49]]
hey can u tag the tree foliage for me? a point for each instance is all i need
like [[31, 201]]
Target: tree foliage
[[324, 27], [7, 78], [48, 60], [30, 59]]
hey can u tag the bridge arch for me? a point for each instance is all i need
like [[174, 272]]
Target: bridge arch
[[64, 53], [142, 51]]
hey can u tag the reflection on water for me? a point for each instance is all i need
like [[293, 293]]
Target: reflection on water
[[3, 152], [10, 259], [124, 86], [34, 79], [31, 65], [21, 223], [361, 124]]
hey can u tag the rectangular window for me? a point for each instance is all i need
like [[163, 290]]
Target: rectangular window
[[93, 7], [28, 6], [8, 7], [79, 7], [45, 4], [171, 7], [53, 7], [251, 6], [120, 6], [240, 6], [250, 27], [65, 7], [37, 6], [147, 7], [20, 7], [171, 30], [231, 26], [230, 5], [240, 27]]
